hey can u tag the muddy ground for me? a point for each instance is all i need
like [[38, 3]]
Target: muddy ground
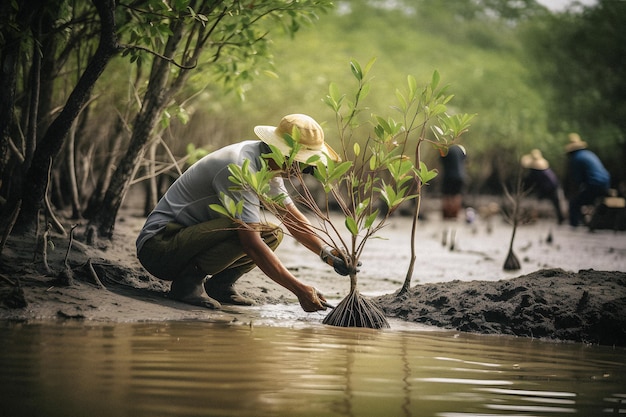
[[571, 285]]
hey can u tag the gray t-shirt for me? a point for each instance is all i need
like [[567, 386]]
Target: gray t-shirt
[[187, 201]]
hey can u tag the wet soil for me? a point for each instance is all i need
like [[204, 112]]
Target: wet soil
[[571, 285], [586, 306]]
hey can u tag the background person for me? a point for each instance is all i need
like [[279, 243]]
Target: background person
[[542, 181], [587, 176], [453, 181], [183, 240]]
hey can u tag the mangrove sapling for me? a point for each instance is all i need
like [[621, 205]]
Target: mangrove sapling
[[512, 263], [374, 167], [425, 115]]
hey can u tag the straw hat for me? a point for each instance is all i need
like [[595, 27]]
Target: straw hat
[[535, 160], [575, 143], [311, 137]]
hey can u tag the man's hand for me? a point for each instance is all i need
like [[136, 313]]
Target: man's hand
[[312, 300], [331, 256]]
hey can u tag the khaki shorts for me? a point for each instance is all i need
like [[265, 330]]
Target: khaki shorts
[[203, 249]]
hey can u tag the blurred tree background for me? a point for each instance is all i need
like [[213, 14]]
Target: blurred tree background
[[530, 75]]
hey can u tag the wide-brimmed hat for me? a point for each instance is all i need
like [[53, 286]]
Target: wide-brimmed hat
[[535, 160], [575, 143], [311, 138]]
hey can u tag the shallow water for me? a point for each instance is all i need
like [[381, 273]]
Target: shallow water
[[208, 369]]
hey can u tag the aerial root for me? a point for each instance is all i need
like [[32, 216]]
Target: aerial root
[[357, 311]]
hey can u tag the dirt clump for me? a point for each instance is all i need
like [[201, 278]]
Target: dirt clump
[[588, 306]]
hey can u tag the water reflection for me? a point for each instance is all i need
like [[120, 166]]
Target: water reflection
[[207, 369]]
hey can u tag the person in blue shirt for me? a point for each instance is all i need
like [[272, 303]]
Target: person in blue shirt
[[588, 178]]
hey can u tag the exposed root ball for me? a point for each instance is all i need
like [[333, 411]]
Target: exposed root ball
[[357, 311], [511, 263]]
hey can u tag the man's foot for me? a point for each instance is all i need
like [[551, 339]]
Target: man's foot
[[192, 292], [226, 294]]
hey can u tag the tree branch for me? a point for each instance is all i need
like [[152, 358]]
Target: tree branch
[[163, 57]]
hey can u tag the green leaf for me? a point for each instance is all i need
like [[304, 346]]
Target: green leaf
[[228, 207], [434, 82], [334, 99], [424, 174], [373, 163], [271, 74], [219, 209], [369, 66], [352, 226], [276, 155], [356, 70], [182, 115], [339, 170], [403, 104], [371, 218], [364, 91], [412, 83], [438, 109], [362, 206]]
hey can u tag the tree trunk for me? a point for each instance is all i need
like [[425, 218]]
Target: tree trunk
[[8, 76], [50, 144], [71, 172], [156, 98], [11, 153], [106, 173], [152, 188]]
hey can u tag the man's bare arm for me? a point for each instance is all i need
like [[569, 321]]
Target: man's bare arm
[[270, 264], [300, 228]]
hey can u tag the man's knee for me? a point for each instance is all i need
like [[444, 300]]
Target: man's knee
[[272, 235]]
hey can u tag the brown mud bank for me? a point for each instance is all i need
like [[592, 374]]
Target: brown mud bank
[[463, 289], [588, 306]]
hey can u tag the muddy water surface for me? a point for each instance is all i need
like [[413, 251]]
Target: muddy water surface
[[208, 369]]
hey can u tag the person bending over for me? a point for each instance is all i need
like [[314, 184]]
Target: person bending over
[[588, 179], [203, 253]]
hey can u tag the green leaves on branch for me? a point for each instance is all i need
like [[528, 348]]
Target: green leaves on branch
[[195, 154], [227, 42], [375, 167], [332, 174], [248, 180], [451, 127], [424, 174], [228, 208], [382, 170], [336, 100]]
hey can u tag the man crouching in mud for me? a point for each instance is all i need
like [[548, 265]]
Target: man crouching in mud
[[185, 241]]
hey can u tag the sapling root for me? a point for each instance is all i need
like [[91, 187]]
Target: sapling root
[[511, 263], [357, 311]]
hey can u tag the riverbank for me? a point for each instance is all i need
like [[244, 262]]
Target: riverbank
[[571, 285]]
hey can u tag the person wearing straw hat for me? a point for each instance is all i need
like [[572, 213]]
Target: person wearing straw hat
[[541, 180], [185, 242], [587, 175]]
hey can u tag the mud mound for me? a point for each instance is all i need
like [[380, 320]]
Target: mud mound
[[588, 306]]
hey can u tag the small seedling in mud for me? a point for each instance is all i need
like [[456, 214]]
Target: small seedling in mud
[[374, 178], [512, 263]]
